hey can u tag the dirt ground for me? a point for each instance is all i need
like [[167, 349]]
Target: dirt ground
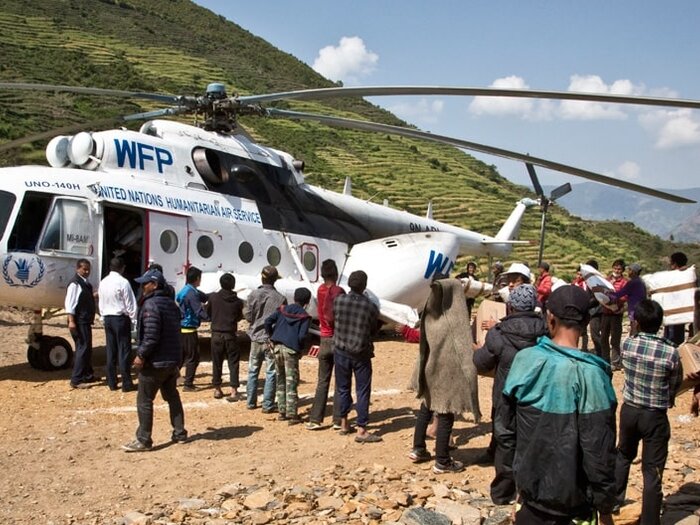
[[60, 450]]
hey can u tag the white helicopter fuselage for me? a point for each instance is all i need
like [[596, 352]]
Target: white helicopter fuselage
[[181, 196]]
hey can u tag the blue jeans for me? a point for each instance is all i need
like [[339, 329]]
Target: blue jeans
[[258, 354], [345, 368]]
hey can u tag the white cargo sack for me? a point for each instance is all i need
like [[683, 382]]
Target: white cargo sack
[[594, 278], [674, 290], [473, 288]]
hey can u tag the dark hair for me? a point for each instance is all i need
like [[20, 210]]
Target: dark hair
[[593, 263], [227, 281], [155, 266], [679, 259], [82, 262], [302, 296], [471, 263], [357, 281], [193, 273], [620, 262], [329, 270], [544, 266], [649, 316], [116, 264]]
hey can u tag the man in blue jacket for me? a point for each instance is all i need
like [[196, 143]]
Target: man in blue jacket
[[158, 360], [287, 328], [564, 427], [192, 313]]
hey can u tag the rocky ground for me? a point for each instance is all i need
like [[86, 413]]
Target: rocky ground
[[61, 459]]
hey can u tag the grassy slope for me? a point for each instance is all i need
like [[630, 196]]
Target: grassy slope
[[174, 46]]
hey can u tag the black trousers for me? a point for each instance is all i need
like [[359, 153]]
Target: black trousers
[[528, 515], [82, 361], [325, 371], [151, 380], [223, 345], [442, 439], [594, 327], [651, 427], [118, 349], [190, 354], [610, 337]]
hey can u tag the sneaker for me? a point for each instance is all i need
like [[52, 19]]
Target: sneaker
[[251, 407], [419, 455], [136, 446], [446, 468], [269, 410], [294, 420], [189, 388], [180, 440], [281, 417], [312, 425], [79, 386]]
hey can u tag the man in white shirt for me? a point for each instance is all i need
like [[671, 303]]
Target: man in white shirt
[[80, 307], [118, 311]]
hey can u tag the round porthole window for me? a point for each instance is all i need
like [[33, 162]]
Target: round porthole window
[[168, 241], [245, 252], [309, 261], [205, 246], [274, 257]]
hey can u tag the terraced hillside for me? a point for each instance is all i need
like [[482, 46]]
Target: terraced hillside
[[175, 46]]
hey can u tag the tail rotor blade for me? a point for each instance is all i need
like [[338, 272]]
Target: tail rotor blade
[[534, 179], [560, 191]]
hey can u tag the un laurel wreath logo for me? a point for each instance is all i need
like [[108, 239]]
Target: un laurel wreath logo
[[23, 269]]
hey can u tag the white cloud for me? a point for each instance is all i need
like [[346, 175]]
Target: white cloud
[[523, 107], [423, 112], [672, 128], [347, 61], [628, 170], [578, 110]]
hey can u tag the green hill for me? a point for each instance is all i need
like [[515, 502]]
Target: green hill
[[174, 46]]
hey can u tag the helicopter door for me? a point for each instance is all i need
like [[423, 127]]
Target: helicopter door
[[309, 258], [167, 244]]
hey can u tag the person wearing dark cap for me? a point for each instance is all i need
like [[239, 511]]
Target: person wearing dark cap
[[261, 303], [287, 328], [356, 321], [652, 379], [519, 329], [158, 358], [225, 309], [192, 313], [564, 432]]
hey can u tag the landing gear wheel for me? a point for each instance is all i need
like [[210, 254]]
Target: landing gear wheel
[[56, 352], [33, 358]]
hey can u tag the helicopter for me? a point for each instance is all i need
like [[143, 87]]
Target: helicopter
[[207, 195]]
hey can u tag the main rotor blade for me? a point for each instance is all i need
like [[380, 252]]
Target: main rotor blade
[[535, 181], [65, 130], [474, 146], [376, 91], [171, 99]]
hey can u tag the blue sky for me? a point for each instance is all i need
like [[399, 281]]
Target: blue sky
[[628, 47]]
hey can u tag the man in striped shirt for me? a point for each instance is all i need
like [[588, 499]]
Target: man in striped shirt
[[652, 378]]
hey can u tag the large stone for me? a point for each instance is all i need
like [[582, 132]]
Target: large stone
[[328, 502], [423, 516], [459, 513], [500, 515], [136, 518], [191, 504], [259, 499]]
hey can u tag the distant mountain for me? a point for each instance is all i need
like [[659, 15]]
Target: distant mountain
[[663, 218]]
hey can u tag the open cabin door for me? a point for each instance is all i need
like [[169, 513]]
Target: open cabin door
[[168, 237]]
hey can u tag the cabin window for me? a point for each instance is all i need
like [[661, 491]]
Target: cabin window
[[68, 228], [274, 257], [205, 246], [168, 241], [309, 261], [245, 252], [30, 219], [7, 202]]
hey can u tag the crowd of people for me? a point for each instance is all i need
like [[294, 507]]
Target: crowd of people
[[555, 446]]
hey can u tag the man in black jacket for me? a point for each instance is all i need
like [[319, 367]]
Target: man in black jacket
[[80, 307], [157, 358], [225, 309]]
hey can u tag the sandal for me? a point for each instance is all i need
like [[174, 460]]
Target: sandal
[[368, 438]]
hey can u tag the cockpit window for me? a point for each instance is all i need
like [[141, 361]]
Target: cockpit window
[[30, 219], [7, 202], [68, 228]]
